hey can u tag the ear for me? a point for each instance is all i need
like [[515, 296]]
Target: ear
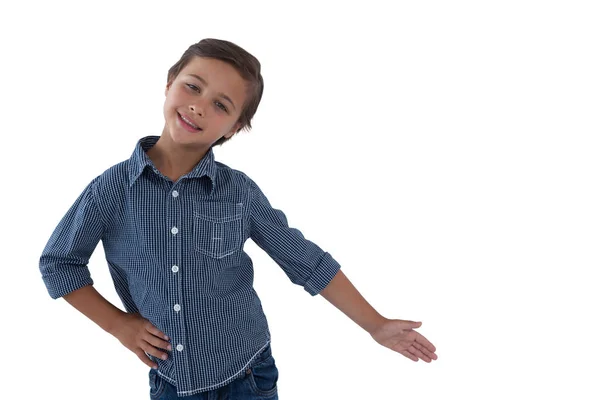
[[167, 88], [233, 130]]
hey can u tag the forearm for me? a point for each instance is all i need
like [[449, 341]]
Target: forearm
[[94, 306], [341, 293]]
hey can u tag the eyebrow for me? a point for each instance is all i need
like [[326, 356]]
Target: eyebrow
[[223, 95]]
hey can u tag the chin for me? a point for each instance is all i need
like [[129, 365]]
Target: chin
[[184, 138], [188, 139], [180, 135]]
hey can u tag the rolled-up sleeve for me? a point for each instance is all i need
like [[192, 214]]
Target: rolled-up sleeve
[[64, 260], [304, 262]]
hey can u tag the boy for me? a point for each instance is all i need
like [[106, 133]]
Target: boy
[[173, 222]]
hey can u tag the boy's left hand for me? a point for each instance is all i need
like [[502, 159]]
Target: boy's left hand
[[398, 335]]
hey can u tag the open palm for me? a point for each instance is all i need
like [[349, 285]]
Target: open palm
[[398, 335]]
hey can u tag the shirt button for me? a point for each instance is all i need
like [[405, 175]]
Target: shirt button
[[175, 193], [175, 268], [174, 230], [177, 307], [179, 347]]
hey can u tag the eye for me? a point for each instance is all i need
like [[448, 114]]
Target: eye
[[195, 88], [221, 106]]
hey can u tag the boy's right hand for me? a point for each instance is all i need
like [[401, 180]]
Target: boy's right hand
[[139, 335]]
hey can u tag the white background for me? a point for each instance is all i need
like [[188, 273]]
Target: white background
[[445, 153]]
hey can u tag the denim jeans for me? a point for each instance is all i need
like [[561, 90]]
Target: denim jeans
[[258, 383]]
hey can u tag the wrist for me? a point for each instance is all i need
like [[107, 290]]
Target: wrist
[[116, 322], [373, 325]]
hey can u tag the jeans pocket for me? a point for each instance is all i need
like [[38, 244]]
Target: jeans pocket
[[263, 377], [218, 228], [157, 384]]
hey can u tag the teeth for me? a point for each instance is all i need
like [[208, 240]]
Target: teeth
[[188, 122]]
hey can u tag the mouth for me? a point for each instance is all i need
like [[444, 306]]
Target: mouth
[[187, 126]]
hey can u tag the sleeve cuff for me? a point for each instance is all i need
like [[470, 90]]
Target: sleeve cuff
[[322, 275], [64, 282]]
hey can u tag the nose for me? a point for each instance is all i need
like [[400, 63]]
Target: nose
[[197, 110], [199, 107]]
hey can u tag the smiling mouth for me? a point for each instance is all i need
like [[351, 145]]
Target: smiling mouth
[[190, 127]]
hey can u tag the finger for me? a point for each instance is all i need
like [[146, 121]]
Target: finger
[[417, 353], [408, 324], [145, 359], [408, 355], [425, 351], [154, 351], [424, 342], [155, 331], [157, 342]]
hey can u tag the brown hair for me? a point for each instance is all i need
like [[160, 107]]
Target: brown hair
[[245, 63]]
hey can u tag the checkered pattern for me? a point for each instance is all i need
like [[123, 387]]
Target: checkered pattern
[[175, 253]]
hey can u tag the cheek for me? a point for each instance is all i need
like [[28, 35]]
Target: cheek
[[166, 110], [169, 114], [169, 107]]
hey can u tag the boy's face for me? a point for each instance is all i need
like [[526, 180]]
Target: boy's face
[[212, 102]]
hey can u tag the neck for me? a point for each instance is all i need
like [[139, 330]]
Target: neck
[[174, 160]]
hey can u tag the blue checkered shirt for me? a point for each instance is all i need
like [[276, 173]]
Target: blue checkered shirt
[[175, 254]]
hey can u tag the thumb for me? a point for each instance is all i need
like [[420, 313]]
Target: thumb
[[415, 324]]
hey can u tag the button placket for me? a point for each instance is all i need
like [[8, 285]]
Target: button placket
[[175, 267]]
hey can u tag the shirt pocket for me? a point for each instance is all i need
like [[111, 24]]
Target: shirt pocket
[[218, 228]]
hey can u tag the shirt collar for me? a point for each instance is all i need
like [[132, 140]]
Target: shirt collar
[[139, 160]]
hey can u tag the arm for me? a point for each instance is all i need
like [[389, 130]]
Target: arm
[[307, 264], [64, 268], [341, 293], [395, 334], [94, 306], [64, 260], [302, 260], [132, 330]]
